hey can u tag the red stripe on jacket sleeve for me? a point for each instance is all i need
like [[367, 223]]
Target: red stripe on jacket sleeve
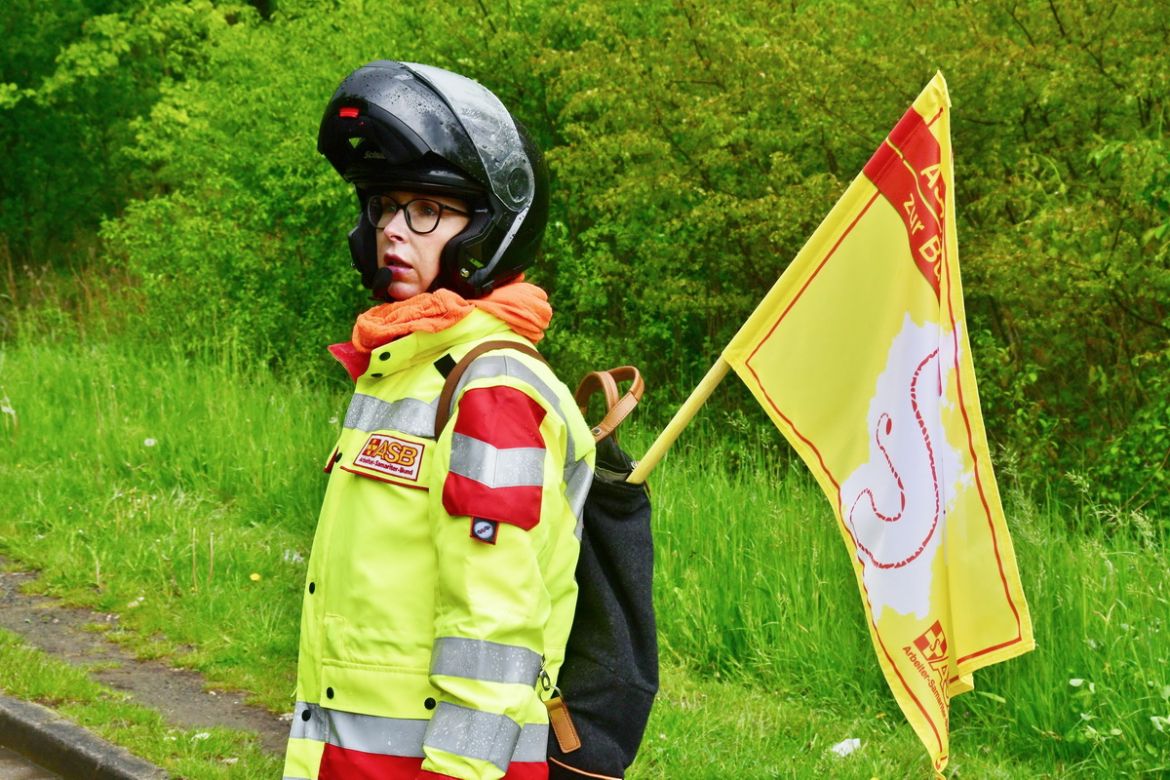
[[339, 763], [503, 418], [513, 505], [500, 416]]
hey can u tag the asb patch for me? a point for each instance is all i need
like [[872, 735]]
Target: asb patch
[[484, 530], [391, 455]]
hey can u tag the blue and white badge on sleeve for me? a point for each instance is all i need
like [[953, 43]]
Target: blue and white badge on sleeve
[[484, 530]]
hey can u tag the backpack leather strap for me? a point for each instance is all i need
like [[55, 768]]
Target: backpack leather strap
[[590, 384], [443, 413], [617, 407]]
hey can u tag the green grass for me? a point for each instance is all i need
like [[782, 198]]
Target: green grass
[[754, 551], [166, 485], [163, 482], [702, 728], [197, 754]]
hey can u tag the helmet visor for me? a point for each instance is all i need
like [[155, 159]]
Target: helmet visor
[[491, 129]]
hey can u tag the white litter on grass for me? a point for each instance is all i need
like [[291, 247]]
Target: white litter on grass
[[201, 735], [845, 747], [149, 442]]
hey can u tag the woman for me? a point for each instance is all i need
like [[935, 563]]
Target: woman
[[440, 588]]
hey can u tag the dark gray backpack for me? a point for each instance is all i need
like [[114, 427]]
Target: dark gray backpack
[[609, 678]]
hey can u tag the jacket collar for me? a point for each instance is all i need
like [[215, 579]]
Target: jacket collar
[[417, 347]]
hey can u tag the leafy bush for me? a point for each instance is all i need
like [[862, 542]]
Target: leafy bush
[[693, 148], [246, 242], [73, 78]]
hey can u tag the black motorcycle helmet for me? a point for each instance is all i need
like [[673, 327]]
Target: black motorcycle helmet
[[398, 125]]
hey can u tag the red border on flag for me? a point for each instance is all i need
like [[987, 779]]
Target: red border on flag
[[918, 126]]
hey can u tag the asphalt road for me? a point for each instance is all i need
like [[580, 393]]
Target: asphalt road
[[14, 766]]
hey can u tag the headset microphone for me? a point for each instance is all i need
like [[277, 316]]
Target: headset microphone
[[381, 284]]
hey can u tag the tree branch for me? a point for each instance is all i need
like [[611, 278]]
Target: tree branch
[[487, 17], [1056, 16], [1023, 29]]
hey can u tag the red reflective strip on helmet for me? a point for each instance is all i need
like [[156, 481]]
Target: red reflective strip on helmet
[[338, 763], [519, 506], [348, 112], [500, 416]]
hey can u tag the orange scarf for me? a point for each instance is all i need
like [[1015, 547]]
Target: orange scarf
[[524, 307]]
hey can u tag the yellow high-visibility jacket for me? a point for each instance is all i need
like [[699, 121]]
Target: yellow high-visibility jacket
[[440, 589]]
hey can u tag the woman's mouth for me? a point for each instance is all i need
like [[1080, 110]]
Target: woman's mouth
[[398, 267]]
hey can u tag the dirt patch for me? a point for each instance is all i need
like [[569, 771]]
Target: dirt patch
[[180, 695]]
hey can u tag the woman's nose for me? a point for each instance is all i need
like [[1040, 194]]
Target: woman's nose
[[397, 226]]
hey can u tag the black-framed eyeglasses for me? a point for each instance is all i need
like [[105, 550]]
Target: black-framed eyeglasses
[[422, 214]]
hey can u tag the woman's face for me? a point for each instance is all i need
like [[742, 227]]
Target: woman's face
[[412, 257]]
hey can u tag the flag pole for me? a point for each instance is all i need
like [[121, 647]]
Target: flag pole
[[683, 416]]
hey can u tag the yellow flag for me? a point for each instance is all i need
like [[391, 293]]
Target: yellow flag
[[860, 355]]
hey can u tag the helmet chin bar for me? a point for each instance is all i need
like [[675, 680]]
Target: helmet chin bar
[[460, 260]]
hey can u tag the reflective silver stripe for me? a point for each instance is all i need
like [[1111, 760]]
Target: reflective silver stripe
[[404, 737], [313, 728], [494, 467], [578, 480], [470, 733], [478, 659], [372, 734], [409, 415], [533, 743], [492, 365]]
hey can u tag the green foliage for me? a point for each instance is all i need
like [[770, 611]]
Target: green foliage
[[76, 75], [33, 31], [246, 240], [1071, 274], [693, 148], [1133, 469]]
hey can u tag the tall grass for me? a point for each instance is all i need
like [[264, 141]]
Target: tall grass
[[157, 486], [754, 582], [182, 492]]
